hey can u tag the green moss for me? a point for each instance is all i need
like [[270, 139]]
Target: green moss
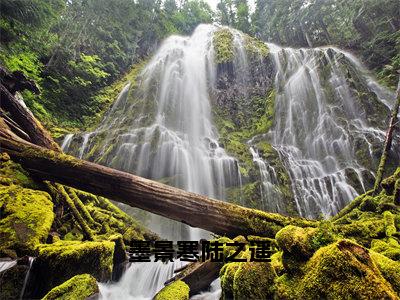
[[254, 280], [13, 173], [390, 269], [296, 241], [79, 287], [255, 48], [248, 194], [390, 227], [343, 270], [56, 263], [178, 290], [227, 274], [389, 247], [223, 46], [276, 262], [26, 218], [388, 183], [364, 230]]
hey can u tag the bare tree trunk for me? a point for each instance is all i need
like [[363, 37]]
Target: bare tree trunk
[[388, 141], [25, 119]]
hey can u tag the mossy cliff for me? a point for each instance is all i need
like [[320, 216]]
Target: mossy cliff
[[354, 255], [36, 220], [244, 110]]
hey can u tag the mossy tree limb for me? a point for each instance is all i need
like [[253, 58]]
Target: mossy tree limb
[[193, 209], [58, 191], [81, 207], [388, 141]]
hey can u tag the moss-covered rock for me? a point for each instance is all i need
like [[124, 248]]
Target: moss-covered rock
[[342, 270], [255, 48], [60, 261], [227, 274], [296, 241], [178, 290], [223, 46], [254, 280], [26, 218], [79, 287]]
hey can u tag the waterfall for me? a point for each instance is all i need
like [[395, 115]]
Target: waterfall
[[318, 120], [160, 127], [179, 146]]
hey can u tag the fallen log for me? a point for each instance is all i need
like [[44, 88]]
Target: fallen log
[[195, 210]]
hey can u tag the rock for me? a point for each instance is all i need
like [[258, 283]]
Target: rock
[[342, 270], [254, 280], [26, 218], [60, 261], [178, 290], [79, 287], [296, 241]]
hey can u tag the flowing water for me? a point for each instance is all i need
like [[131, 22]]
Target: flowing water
[[318, 121], [169, 136]]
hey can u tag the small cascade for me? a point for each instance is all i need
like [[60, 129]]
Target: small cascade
[[7, 264], [270, 195], [66, 142], [141, 281], [30, 262]]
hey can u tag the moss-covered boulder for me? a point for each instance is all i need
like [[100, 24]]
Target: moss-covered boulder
[[227, 274], [79, 287], [13, 173], [342, 270], [296, 241], [223, 46], [254, 280], [60, 261], [26, 218], [178, 290]]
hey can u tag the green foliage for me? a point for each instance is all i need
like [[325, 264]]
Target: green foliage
[[369, 27], [234, 13], [79, 287]]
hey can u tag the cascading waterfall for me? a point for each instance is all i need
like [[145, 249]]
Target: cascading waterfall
[[314, 131], [179, 146], [169, 136]]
